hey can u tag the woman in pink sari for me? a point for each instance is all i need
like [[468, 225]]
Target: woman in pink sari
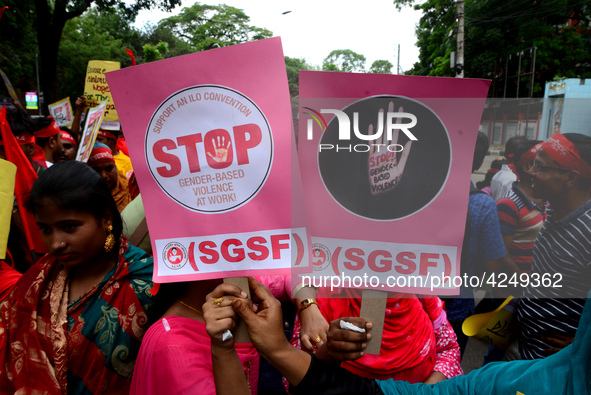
[[180, 351]]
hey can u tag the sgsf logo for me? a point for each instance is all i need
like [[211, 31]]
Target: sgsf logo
[[392, 122]]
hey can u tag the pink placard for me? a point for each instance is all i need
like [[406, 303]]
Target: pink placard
[[389, 210], [301, 241], [209, 139]]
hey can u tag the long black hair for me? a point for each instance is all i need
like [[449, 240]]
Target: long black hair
[[480, 151], [74, 185]]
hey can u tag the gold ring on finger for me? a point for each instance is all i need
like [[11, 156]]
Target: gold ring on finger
[[218, 302], [318, 340]]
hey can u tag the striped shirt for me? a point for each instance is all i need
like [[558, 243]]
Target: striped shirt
[[562, 253], [520, 218]]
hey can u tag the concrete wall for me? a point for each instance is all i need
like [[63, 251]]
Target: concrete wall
[[567, 108]]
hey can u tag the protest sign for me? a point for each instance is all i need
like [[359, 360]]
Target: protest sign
[[301, 241], [7, 176], [209, 139], [9, 87], [97, 90], [31, 101], [386, 163], [61, 111], [91, 127]]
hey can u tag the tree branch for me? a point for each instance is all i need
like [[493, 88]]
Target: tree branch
[[77, 11]]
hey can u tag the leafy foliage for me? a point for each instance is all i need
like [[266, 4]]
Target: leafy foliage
[[435, 38], [51, 19], [293, 67], [381, 66], [212, 26], [130, 8], [155, 52], [344, 60], [82, 30], [152, 34], [497, 31], [99, 35], [18, 45]]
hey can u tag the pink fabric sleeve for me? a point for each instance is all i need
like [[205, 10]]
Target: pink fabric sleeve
[[448, 359], [182, 371], [434, 308], [177, 360], [280, 286]]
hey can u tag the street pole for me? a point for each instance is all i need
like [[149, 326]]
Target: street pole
[[506, 76], [533, 71], [398, 61], [41, 98], [460, 40]]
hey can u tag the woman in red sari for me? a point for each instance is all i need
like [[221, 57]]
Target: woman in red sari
[[418, 343], [74, 322]]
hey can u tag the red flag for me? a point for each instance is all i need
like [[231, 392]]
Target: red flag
[[25, 177], [2, 11], [39, 157], [130, 53]]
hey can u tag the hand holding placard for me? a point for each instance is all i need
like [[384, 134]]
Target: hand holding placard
[[241, 331], [385, 171], [216, 314]]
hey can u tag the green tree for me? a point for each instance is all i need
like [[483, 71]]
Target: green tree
[[344, 60], [152, 34], [381, 66], [435, 37], [293, 67], [496, 31], [155, 52], [18, 45], [96, 35], [51, 18], [330, 67], [212, 26]]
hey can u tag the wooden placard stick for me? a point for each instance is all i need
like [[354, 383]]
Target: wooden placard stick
[[241, 331], [373, 309]]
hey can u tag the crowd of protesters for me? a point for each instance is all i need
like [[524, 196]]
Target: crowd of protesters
[[81, 314]]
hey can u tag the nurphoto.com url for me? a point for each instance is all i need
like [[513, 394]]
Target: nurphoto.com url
[[499, 280]]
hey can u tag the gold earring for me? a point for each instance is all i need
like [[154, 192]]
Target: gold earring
[[110, 240]]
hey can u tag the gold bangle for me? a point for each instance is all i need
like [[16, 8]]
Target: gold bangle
[[307, 303]]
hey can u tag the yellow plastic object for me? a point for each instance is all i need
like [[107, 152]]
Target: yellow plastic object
[[7, 177], [496, 328]]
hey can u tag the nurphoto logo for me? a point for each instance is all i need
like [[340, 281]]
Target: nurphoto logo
[[393, 123], [380, 157]]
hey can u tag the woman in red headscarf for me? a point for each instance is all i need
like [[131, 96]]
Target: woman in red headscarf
[[122, 161], [102, 161]]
